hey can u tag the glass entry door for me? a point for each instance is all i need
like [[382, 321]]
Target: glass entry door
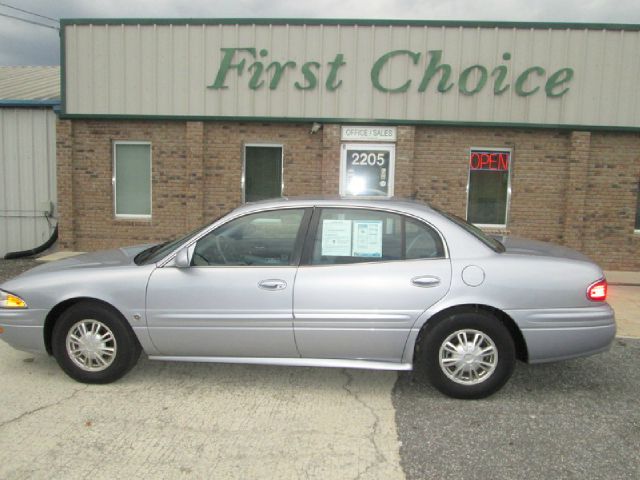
[[262, 172]]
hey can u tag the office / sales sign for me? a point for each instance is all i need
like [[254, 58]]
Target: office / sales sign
[[368, 133]]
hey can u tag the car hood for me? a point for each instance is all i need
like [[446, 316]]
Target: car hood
[[523, 246], [103, 259]]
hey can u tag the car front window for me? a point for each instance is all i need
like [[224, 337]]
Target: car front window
[[259, 239], [157, 252]]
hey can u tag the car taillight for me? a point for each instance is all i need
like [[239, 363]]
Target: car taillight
[[597, 292]]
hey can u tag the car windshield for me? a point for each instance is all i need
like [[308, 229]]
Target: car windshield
[[489, 241], [157, 252]]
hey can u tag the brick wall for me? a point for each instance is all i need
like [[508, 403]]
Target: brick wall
[[576, 188], [612, 189], [538, 174], [90, 212]]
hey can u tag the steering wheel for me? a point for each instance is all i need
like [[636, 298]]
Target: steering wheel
[[226, 249]]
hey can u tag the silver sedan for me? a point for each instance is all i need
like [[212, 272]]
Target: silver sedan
[[379, 284]]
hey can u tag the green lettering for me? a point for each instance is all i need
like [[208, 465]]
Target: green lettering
[[433, 69], [464, 76], [498, 88], [255, 82], [278, 71], [382, 61], [309, 76], [333, 73], [561, 76], [520, 81], [226, 65]]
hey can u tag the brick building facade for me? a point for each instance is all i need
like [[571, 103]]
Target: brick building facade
[[158, 117], [576, 188]]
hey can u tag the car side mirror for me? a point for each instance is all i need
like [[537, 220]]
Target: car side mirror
[[183, 258]]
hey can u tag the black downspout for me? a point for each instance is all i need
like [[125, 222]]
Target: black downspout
[[34, 251]]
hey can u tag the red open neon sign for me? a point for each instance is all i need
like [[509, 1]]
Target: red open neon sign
[[497, 161]]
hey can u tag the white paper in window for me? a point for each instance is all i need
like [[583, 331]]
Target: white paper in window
[[336, 238], [367, 238]]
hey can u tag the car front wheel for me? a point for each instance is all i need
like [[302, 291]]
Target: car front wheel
[[467, 355], [92, 343]]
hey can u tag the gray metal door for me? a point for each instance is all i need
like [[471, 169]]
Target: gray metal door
[[237, 297], [222, 311], [364, 311], [366, 277]]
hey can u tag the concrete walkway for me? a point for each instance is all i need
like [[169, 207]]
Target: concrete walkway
[[625, 300], [185, 420]]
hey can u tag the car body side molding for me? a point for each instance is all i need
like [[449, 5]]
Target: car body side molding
[[293, 362]]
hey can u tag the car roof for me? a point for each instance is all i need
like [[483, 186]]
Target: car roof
[[404, 204]]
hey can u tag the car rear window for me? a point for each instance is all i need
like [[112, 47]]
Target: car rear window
[[489, 241]]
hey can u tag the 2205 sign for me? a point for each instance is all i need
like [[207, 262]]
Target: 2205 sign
[[371, 158]]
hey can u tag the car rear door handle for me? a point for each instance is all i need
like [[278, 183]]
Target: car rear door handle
[[425, 281], [272, 284]]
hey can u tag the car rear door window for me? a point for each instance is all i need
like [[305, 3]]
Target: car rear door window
[[359, 235]]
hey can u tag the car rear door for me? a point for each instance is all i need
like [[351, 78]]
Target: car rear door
[[236, 298], [366, 276]]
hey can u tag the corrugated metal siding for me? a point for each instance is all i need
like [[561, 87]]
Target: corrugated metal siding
[[27, 176], [165, 70], [29, 83]]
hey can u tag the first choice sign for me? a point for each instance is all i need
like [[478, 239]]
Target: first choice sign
[[254, 67], [372, 134], [385, 73]]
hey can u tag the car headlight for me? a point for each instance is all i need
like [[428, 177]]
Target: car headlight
[[9, 300]]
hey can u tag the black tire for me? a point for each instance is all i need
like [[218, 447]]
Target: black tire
[[435, 335], [125, 346]]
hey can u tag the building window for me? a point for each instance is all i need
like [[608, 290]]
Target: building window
[[132, 179], [262, 172], [489, 189], [367, 170]]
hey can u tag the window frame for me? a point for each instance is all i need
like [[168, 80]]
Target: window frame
[[636, 227], [508, 203], [243, 183], [313, 228], [391, 180], [114, 185]]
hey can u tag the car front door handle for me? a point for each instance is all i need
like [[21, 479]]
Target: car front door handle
[[425, 281], [272, 284]]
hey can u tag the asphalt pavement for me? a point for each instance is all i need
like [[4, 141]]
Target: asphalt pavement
[[576, 419]]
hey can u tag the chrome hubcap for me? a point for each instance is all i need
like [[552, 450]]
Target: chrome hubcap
[[91, 345], [468, 357]]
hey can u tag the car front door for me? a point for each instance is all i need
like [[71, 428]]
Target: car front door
[[366, 276], [235, 300]]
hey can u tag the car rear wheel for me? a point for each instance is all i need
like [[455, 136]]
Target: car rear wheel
[[93, 344], [467, 355]]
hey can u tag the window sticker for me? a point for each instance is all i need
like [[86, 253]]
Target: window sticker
[[367, 238], [336, 238]]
